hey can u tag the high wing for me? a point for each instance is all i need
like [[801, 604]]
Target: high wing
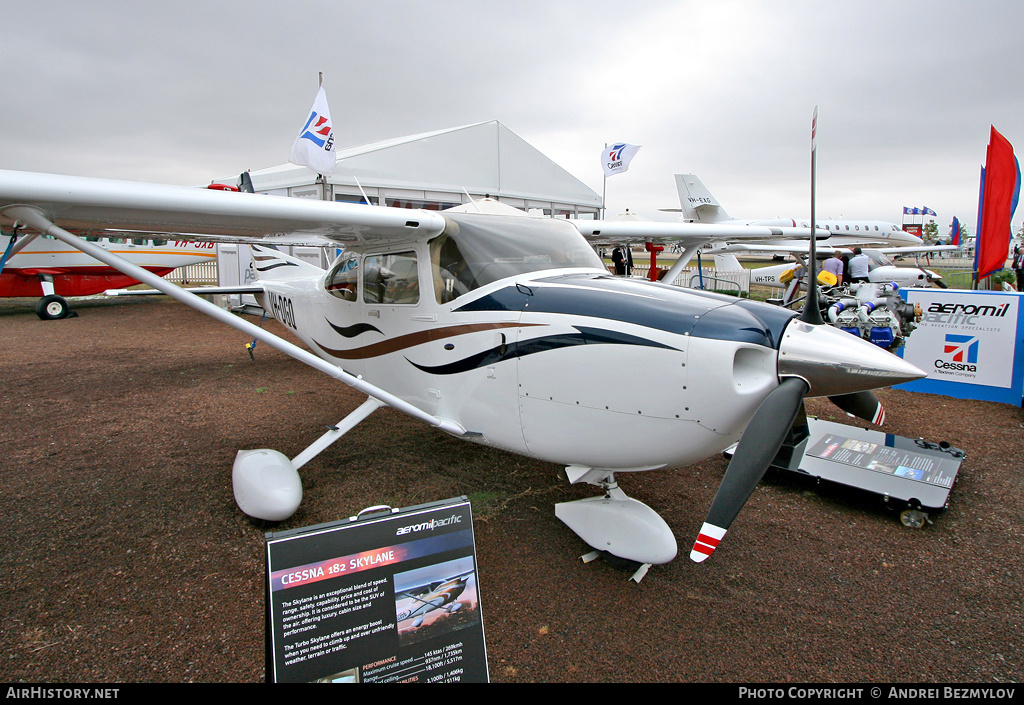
[[626, 231], [924, 249], [96, 206], [797, 247], [88, 206]]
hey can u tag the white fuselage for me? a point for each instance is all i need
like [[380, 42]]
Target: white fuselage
[[569, 365]]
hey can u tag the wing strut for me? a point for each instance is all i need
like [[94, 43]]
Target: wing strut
[[35, 219]]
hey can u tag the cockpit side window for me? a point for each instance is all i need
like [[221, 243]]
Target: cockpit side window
[[343, 279], [448, 270], [391, 279]]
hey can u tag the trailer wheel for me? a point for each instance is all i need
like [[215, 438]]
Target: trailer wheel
[[913, 518]]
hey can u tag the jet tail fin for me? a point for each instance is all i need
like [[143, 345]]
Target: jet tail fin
[[697, 202]]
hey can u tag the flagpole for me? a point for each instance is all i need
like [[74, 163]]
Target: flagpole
[[604, 190]]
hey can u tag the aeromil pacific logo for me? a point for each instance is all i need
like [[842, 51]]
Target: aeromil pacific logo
[[962, 352], [429, 525]]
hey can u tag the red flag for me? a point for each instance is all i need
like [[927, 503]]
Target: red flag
[[999, 191]]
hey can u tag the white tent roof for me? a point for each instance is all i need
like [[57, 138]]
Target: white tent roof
[[483, 158]]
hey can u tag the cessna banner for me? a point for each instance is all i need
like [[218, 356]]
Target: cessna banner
[[495, 326]]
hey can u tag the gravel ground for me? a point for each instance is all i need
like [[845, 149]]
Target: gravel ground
[[126, 560]]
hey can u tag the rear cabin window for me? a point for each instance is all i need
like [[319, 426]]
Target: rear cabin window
[[343, 279]]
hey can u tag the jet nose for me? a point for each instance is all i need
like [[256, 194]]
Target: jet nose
[[834, 362]]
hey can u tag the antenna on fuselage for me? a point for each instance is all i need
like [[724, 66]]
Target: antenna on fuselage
[[365, 197], [475, 205]]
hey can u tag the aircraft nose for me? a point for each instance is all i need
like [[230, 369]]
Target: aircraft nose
[[833, 362]]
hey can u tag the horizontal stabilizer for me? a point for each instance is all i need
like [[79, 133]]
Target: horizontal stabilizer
[[198, 290]]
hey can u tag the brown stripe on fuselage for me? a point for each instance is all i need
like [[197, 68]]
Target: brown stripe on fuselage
[[413, 339]]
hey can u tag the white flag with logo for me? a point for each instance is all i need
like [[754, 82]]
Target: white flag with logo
[[314, 147], [615, 159]]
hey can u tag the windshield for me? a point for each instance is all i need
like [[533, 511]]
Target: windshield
[[477, 249]]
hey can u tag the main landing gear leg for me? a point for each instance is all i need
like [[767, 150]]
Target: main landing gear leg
[[267, 484], [625, 532]]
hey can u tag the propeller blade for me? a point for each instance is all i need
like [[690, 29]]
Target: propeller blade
[[757, 448], [863, 405], [812, 312]]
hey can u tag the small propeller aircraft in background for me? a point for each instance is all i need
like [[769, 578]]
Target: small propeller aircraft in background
[[496, 326], [881, 270], [50, 270], [435, 595]]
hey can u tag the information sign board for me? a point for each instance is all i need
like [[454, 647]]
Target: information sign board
[[390, 597], [968, 343], [900, 468]]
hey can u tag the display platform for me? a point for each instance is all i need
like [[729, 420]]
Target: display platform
[[913, 475]]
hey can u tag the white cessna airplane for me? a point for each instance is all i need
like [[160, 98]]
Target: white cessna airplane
[[51, 270], [497, 327], [698, 205]]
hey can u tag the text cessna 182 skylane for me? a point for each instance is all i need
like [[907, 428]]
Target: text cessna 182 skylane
[[496, 327]]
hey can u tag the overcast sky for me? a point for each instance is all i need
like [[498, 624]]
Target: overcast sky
[[187, 91]]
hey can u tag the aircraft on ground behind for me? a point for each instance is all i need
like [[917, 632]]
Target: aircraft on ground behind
[[698, 205], [501, 328], [881, 270], [51, 270]]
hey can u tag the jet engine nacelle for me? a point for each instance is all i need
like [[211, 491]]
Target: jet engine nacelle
[[903, 277]]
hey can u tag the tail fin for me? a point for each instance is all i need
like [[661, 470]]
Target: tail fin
[[269, 263], [696, 201]]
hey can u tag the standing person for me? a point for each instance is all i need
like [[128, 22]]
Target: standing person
[[859, 266], [834, 264], [619, 260], [627, 251], [1018, 266]]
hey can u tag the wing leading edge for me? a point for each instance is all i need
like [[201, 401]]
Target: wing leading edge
[[86, 205]]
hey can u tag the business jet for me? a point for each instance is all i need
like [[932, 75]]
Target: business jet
[[698, 205], [49, 269], [497, 327]]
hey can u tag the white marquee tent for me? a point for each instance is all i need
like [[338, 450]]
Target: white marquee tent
[[437, 169]]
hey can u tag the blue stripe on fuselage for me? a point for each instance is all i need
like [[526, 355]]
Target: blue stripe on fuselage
[[653, 305], [585, 336]]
